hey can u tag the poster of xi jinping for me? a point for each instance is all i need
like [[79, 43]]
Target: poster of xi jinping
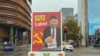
[[46, 31]]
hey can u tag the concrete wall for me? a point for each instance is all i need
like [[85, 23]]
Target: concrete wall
[[83, 21]]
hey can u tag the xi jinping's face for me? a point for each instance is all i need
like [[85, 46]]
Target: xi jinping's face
[[53, 22]]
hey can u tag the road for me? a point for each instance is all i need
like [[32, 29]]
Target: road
[[19, 51], [84, 52], [23, 51]]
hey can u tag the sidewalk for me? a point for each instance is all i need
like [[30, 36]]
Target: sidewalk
[[25, 48], [21, 50], [88, 50], [28, 46]]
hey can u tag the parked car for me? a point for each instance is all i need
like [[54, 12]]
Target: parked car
[[8, 47], [67, 46]]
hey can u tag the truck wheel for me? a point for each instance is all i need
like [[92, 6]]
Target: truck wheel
[[71, 50]]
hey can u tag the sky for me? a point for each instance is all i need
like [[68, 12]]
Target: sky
[[53, 5], [93, 15], [56, 5]]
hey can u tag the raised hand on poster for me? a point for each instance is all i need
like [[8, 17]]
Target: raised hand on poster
[[49, 39]]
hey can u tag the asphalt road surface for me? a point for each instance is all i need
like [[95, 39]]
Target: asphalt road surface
[[84, 52], [19, 51]]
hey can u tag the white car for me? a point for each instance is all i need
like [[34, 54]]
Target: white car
[[67, 46]]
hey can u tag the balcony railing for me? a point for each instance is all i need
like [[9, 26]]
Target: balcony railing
[[14, 6]]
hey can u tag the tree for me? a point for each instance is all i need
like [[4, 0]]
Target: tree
[[73, 29]]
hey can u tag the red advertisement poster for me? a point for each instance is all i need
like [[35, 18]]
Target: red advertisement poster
[[40, 21]]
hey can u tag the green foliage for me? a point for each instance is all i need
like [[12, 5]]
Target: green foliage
[[73, 29]]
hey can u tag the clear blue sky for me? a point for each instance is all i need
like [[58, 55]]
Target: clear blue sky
[[93, 15]]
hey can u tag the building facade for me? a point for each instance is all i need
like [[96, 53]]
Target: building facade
[[83, 21], [15, 18], [67, 12]]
